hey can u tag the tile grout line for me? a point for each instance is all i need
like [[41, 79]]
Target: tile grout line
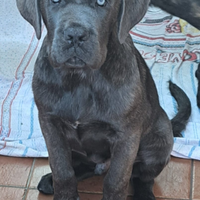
[[168, 198], [13, 186], [191, 180], [29, 180], [31, 173]]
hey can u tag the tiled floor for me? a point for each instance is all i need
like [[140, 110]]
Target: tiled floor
[[180, 180]]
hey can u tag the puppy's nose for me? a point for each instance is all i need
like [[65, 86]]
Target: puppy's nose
[[76, 35]]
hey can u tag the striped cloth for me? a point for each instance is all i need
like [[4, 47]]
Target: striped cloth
[[169, 45], [171, 49], [20, 133]]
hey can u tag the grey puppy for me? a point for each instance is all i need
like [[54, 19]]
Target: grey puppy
[[98, 105]]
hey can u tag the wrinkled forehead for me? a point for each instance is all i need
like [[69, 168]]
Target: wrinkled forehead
[[93, 4], [88, 11], [89, 2]]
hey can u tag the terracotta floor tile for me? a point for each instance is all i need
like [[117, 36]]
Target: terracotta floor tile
[[168, 185], [167, 199], [174, 181], [196, 181], [7, 193], [41, 168], [35, 195], [14, 171], [93, 184], [84, 196]]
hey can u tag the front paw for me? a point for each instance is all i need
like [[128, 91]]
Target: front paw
[[45, 185]]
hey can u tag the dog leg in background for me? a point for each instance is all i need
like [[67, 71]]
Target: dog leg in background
[[198, 90], [184, 109], [188, 10]]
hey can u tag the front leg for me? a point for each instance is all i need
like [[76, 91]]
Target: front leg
[[117, 179], [56, 134]]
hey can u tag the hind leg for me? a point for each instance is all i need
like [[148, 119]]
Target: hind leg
[[153, 155], [143, 180]]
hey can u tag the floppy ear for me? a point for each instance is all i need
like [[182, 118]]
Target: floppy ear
[[29, 9], [131, 12]]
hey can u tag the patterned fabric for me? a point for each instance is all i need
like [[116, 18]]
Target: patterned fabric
[[20, 133], [171, 49], [169, 46]]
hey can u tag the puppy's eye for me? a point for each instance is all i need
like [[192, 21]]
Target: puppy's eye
[[56, 1], [101, 2]]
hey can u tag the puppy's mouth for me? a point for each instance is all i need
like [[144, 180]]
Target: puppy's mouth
[[75, 62]]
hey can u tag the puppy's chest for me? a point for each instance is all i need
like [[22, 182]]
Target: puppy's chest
[[83, 105]]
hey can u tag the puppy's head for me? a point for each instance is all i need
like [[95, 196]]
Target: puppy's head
[[79, 30]]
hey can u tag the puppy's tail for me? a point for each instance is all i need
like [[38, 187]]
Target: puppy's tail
[[184, 109]]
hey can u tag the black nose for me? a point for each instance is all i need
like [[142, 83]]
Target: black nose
[[76, 35]]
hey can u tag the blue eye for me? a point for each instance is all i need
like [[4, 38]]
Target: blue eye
[[56, 1], [101, 2]]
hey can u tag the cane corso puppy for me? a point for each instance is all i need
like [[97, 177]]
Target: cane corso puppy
[[98, 105], [188, 10]]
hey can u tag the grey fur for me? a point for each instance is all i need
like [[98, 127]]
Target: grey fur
[[98, 105]]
